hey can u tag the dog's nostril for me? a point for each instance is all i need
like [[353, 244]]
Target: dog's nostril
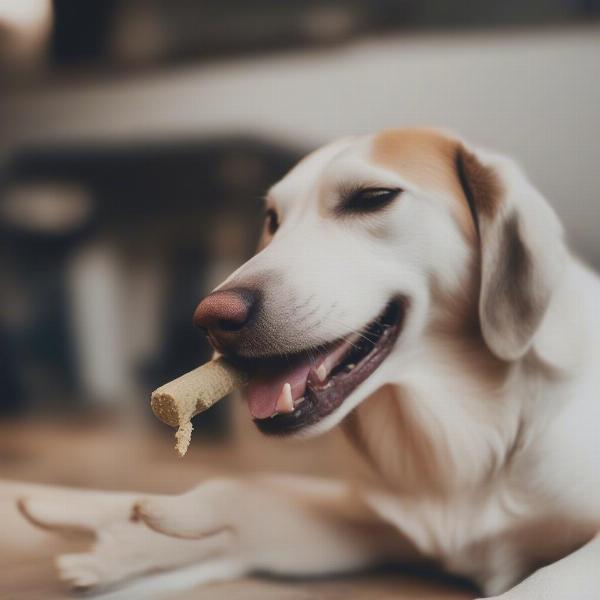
[[226, 325], [224, 311]]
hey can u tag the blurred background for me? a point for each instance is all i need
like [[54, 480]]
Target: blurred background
[[137, 138]]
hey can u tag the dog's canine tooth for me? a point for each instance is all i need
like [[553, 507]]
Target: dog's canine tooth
[[321, 372], [285, 402]]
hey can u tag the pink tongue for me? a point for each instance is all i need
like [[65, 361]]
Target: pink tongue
[[263, 391]]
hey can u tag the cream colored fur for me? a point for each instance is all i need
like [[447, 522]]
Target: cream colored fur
[[482, 424]]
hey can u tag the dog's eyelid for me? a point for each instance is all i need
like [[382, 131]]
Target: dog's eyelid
[[364, 200]]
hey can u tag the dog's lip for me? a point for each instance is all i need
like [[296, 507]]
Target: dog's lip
[[320, 398]]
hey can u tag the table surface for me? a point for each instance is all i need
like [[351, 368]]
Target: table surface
[[107, 456]]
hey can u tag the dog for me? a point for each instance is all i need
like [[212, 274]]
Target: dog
[[417, 292]]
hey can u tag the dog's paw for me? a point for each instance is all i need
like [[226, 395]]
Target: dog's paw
[[124, 548]]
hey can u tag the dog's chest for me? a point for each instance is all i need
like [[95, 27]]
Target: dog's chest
[[491, 534]]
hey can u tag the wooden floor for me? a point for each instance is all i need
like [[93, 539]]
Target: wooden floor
[[38, 584], [108, 455]]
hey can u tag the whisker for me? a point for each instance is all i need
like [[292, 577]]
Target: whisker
[[352, 336], [362, 334]]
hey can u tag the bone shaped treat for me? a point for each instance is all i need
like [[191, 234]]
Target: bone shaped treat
[[176, 402]]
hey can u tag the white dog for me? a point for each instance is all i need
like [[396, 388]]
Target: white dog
[[419, 293]]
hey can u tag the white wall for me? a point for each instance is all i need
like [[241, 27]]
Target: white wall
[[535, 95]]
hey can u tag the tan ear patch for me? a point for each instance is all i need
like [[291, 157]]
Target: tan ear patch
[[480, 184], [426, 158], [516, 283]]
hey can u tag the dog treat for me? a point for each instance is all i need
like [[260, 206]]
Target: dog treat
[[176, 402]]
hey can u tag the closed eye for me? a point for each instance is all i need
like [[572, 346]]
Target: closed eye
[[366, 200]]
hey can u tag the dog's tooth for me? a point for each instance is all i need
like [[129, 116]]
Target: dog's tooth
[[321, 372], [350, 366], [285, 403], [299, 401]]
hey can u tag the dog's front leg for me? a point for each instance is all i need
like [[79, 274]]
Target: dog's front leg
[[282, 525], [123, 549], [575, 576], [222, 529]]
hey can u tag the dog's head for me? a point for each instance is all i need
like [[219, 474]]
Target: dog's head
[[370, 243]]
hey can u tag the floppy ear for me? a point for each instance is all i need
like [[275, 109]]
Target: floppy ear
[[522, 251]]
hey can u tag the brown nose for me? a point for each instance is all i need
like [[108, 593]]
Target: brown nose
[[225, 312]]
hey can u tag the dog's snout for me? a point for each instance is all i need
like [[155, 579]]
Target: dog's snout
[[225, 312]]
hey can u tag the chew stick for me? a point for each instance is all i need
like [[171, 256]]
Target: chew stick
[[176, 402]]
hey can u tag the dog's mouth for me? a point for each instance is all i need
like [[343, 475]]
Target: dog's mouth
[[285, 394]]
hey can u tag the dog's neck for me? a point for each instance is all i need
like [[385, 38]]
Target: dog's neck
[[449, 424]]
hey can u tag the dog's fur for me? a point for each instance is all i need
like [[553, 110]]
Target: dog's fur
[[483, 421]]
